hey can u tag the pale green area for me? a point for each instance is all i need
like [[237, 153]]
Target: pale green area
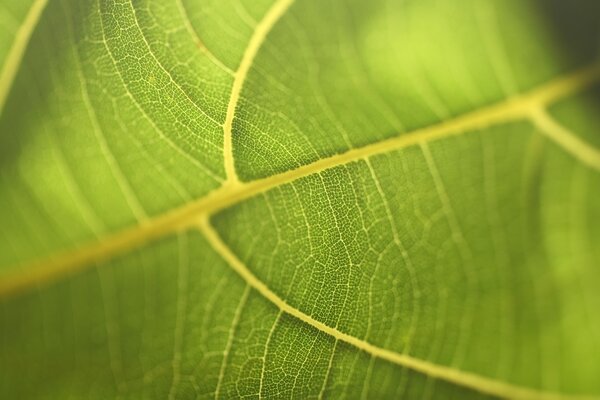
[[479, 252]]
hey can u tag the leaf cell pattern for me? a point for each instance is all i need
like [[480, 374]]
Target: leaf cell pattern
[[298, 199]]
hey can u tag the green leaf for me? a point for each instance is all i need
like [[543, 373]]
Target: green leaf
[[310, 199]]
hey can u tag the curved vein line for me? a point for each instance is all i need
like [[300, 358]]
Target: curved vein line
[[230, 337], [50, 269], [17, 50], [196, 38], [261, 31], [131, 198], [566, 139], [164, 68], [161, 134], [458, 377]]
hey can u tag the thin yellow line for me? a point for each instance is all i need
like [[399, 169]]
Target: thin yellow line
[[462, 378], [230, 339], [188, 26], [17, 51], [261, 31], [578, 148], [47, 270]]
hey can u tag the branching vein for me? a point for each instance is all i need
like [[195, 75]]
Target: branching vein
[[524, 107], [570, 142], [462, 378], [261, 31]]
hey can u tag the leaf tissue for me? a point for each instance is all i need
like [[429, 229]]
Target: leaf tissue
[[337, 199]]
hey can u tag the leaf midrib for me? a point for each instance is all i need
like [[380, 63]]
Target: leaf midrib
[[61, 265], [197, 213]]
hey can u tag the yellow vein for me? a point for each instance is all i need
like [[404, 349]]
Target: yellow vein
[[48, 270], [258, 37], [570, 142], [17, 50], [469, 380], [230, 337]]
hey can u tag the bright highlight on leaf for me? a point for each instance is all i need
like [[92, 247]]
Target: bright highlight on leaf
[[299, 199]]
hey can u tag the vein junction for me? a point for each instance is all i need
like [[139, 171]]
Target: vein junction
[[196, 214], [529, 106], [526, 106], [581, 150], [258, 37]]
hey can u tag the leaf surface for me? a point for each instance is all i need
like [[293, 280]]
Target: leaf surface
[[307, 199]]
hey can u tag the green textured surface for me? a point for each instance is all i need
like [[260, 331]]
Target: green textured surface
[[387, 195]]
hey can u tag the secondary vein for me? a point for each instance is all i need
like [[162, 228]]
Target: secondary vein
[[462, 378], [261, 31], [17, 50], [570, 142], [59, 266]]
